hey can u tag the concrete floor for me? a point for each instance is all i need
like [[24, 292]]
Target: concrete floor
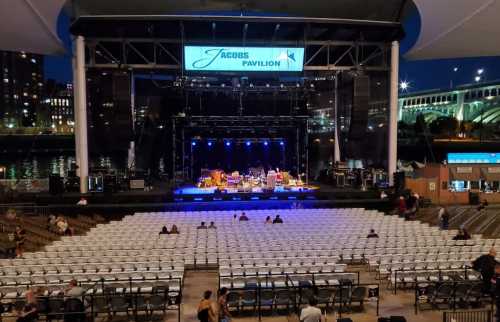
[[196, 282]]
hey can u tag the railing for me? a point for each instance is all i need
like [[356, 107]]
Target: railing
[[465, 269], [468, 316], [298, 293], [133, 300], [429, 292]]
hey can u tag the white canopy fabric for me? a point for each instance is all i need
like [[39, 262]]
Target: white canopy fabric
[[30, 26], [456, 29]]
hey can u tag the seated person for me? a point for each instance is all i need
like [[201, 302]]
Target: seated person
[[482, 205], [29, 313], [372, 234], [277, 220], [164, 231], [212, 225], [462, 235], [235, 218], [74, 290], [244, 217], [268, 220], [174, 230], [202, 226]]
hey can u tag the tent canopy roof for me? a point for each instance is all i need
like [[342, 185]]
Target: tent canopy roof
[[456, 29], [449, 28]]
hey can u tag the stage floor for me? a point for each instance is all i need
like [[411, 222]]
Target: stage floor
[[191, 190]]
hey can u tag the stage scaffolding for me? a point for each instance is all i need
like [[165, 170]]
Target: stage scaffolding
[[153, 44], [186, 128]]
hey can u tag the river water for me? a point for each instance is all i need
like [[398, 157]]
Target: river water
[[41, 166]]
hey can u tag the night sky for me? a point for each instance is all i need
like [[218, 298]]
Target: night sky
[[421, 75]]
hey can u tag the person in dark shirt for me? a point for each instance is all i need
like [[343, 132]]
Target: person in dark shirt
[[372, 234], [485, 264], [202, 226], [462, 235], [20, 239], [496, 281], [164, 231], [174, 230], [212, 225], [277, 220], [243, 217]]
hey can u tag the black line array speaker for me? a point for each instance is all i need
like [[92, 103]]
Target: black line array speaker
[[122, 120], [359, 112], [55, 184]]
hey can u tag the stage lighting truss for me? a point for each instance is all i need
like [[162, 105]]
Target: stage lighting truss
[[323, 55], [249, 142]]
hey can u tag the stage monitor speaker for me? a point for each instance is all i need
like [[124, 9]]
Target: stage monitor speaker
[[344, 320], [55, 184], [359, 111]]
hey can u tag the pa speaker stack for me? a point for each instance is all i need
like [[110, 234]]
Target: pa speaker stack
[[55, 184]]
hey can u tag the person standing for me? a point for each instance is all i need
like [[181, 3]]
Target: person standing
[[311, 313], [20, 239], [224, 315], [401, 206], [496, 281], [444, 218], [206, 311], [485, 264]]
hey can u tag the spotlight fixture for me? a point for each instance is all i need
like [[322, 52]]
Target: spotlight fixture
[[210, 143], [266, 143], [248, 143], [193, 143]]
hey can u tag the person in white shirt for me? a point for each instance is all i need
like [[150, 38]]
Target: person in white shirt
[[311, 313]]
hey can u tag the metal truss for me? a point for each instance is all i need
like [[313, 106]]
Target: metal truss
[[167, 54]]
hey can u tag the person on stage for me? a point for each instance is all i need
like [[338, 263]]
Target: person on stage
[[269, 220], [244, 217], [277, 220]]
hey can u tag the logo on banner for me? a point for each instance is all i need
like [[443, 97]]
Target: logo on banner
[[214, 54]]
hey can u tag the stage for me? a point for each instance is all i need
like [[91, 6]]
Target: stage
[[192, 193]]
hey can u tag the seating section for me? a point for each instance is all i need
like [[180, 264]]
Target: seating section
[[312, 246]]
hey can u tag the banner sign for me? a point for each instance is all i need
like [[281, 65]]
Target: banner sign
[[474, 158], [243, 59]]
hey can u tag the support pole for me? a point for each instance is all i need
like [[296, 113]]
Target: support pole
[[336, 151], [392, 157], [80, 98]]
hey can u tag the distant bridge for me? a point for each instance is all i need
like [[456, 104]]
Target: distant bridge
[[474, 103]]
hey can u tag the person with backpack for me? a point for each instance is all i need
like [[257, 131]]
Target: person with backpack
[[485, 264]]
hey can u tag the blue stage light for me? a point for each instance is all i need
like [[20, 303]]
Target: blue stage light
[[210, 143], [282, 143], [228, 143], [193, 143], [266, 143], [248, 143]]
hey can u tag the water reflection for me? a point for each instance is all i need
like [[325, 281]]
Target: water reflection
[[36, 167]]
